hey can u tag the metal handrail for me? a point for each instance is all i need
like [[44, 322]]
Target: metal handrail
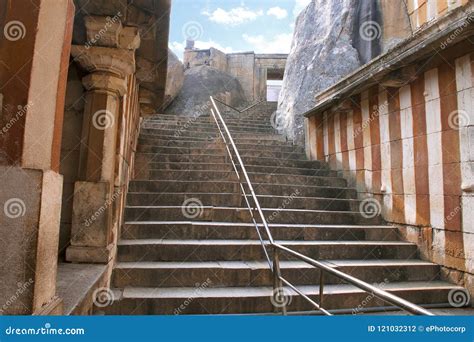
[[279, 280]]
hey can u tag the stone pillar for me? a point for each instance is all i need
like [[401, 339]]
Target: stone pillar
[[33, 75], [93, 231]]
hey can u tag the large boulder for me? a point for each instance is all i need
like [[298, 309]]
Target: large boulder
[[332, 39], [175, 78], [322, 53], [203, 81]]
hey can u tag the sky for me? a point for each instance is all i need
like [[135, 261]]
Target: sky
[[263, 26]]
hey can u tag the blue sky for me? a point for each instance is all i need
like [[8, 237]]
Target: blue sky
[[263, 26]]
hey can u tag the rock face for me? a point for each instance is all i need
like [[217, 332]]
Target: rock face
[[322, 52], [332, 39], [201, 82], [174, 80]]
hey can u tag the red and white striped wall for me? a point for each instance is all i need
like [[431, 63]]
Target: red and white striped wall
[[422, 11], [412, 148]]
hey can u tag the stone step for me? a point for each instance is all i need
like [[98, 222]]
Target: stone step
[[200, 145], [207, 127], [234, 119], [291, 155], [160, 139], [203, 299], [238, 200], [221, 159], [258, 273], [241, 214], [277, 178], [246, 231], [189, 124], [180, 131], [250, 168], [234, 187], [240, 250], [188, 232], [206, 135]]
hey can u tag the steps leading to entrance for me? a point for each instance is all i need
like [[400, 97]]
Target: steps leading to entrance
[[210, 260]]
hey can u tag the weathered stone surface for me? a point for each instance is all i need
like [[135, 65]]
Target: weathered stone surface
[[322, 52], [200, 83], [332, 39], [175, 78], [102, 59], [129, 38], [103, 31], [395, 22], [252, 70], [30, 210]]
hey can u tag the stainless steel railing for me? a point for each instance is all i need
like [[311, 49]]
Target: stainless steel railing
[[278, 279]]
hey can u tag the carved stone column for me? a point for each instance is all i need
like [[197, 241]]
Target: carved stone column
[[92, 231]]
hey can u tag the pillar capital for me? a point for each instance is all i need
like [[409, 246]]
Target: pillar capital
[[109, 32], [119, 62], [103, 31], [105, 82]]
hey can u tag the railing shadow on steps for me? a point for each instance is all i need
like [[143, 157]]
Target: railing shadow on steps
[[240, 111], [269, 242]]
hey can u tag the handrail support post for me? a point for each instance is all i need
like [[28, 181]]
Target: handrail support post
[[277, 283], [321, 287]]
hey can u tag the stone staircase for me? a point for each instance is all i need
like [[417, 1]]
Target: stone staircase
[[176, 257]]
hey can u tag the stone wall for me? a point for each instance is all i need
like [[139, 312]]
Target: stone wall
[[70, 151], [33, 76], [251, 70], [69, 121], [242, 67], [423, 11]]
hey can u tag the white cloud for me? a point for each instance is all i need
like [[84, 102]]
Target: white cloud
[[280, 43], [233, 17], [178, 48], [299, 6], [278, 12]]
